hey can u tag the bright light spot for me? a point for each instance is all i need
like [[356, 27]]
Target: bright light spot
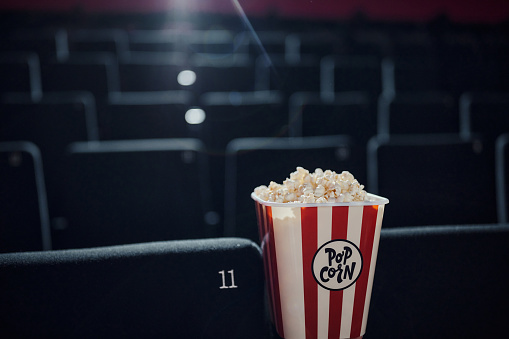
[[195, 116], [186, 78]]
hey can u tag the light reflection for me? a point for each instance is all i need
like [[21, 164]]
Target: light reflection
[[195, 116], [186, 78]]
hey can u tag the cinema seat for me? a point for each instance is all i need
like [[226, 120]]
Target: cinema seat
[[210, 288], [433, 179], [24, 217], [440, 282], [128, 191]]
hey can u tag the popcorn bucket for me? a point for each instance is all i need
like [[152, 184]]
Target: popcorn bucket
[[319, 263]]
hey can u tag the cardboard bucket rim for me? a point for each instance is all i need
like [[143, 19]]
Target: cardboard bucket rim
[[371, 200]]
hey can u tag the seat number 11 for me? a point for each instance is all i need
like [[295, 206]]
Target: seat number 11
[[224, 278]]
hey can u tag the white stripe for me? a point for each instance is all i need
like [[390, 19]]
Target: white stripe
[[324, 216], [354, 235], [374, 255], [288, 242]]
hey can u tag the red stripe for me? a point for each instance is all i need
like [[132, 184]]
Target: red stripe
[[263, 229], [339, 231], [276, 305], [261, 224], [268, 261], [366, 246], [309, 229]]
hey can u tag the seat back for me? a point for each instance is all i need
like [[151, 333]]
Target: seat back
[[350, 113], [20, 72], [319, 44], [46, 42], [146, 115], [93, 72], [51, 123], [210, 288], [215, 43], [418, 113], [441, 282], [222, 74], [278, 72], [114, 41], [24, 219], [264, 41], [119, 192], [150, 71], [485, 113], [415, 73], [160, 40], [432, 179], [241, 114], [351, 73]]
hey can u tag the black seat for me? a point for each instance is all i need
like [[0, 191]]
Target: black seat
[[150, 71], [51, 122], [47, 42], [119, 192], [317, 43], [210, 288], [155, 40], [145, 115], [468, 66], [352, 113], [222, 74], [413, 43], [24, 218], [413, 73], [96, 73], [351, 73], [432, 179], [278, 72], [252, 162], [241, 114], [114, 41], [440, 282], [418, 113], [214, 42], [484, 113], [20, 72], [264, 41], [368, 41]]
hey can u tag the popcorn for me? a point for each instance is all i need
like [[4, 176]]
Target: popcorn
[[318, 187]]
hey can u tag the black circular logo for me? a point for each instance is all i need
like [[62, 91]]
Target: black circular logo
[[337, 264]]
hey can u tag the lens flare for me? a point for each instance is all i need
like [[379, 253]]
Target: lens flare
[[186, 78], [195, 116]]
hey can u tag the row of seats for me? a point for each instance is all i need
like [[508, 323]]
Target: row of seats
[[103, 73], [56, 119], [375, 40], [445, 276], [171, 114], [115, 192], [131, 115]]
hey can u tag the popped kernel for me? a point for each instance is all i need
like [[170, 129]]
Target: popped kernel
[[317, 187]]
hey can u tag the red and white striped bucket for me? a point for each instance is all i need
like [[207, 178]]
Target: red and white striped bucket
[[319, 263]]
